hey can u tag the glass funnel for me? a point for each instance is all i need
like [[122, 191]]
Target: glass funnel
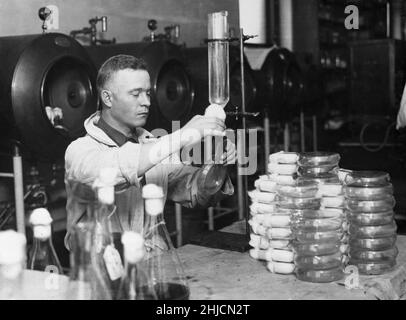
[[219, 84], [214, 174]]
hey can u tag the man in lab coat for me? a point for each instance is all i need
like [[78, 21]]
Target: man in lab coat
[[115, 138]]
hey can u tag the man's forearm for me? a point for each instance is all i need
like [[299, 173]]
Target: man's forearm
[[155, 152]]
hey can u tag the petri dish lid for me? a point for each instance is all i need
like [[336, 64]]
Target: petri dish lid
[[318, 158], [368, 193], [367, 178], [321, 178], [301, 189]]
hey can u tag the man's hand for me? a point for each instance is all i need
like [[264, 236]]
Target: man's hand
[[201, 126], [230, 155]]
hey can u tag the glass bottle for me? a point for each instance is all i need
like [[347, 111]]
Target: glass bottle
[[88, 276], [12, 263], [219, 95], [42, 256], [136, 283], [87, 280], [162, 261], [106, 220]]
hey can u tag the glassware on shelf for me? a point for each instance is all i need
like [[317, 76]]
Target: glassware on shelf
[[12, 263], [162, 261], [136, 283], [42, 256]]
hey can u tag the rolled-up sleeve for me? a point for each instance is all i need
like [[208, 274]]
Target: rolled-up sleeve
[[185, 186]]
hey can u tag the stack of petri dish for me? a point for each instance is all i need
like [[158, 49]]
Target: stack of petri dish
[[370, 203], [271, 233], [318, 223]]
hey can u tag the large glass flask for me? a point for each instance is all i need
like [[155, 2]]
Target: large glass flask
[[12, 263], [162, 261], [136, 283], [42, 256], [214, 174]]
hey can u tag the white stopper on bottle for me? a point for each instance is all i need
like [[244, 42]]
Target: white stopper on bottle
[[41, 221], [216, 111], [12, 247], [153, 199], [105, 184], [133, 244]]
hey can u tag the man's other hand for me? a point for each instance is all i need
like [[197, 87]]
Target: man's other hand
[[230, 155], [201, 126]]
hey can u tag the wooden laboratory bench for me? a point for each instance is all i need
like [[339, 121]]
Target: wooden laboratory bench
[[216, 274]]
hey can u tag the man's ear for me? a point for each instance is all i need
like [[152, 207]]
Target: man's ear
[[106, 97]]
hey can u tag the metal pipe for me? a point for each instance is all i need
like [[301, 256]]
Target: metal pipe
[[6, 175], [314, 119], [244, 128], [267, 140], [286, 24], [19, 190], [286, 138], [388, 10], [178, 221], [302, 131]]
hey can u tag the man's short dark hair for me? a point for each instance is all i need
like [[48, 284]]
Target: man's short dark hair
[[117, 63]]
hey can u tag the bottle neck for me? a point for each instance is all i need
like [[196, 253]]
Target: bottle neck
[[42, 232]]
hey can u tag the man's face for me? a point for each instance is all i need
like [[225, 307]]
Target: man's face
[[130, 90]]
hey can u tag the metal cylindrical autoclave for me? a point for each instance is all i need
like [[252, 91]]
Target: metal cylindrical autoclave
[[47, 91]]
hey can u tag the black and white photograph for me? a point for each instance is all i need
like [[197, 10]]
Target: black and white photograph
[[226, 152]]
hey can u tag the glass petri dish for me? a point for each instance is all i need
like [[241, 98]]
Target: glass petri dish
[[283, 157], [314, 225], [280, 244], [265, 185], [373, 243], [373, 268], [282, 179], [320, 178], [262, 197], [367, 178], [297, 203], [301, 189], [317, 170], [330, 189], [319, 262], [318, 236], [316, 248], [320, 276], [318, 158], [370, 219], [333, 202], [370, 255], [380, 205], [282, 168], [368, 193], [382, 231]]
